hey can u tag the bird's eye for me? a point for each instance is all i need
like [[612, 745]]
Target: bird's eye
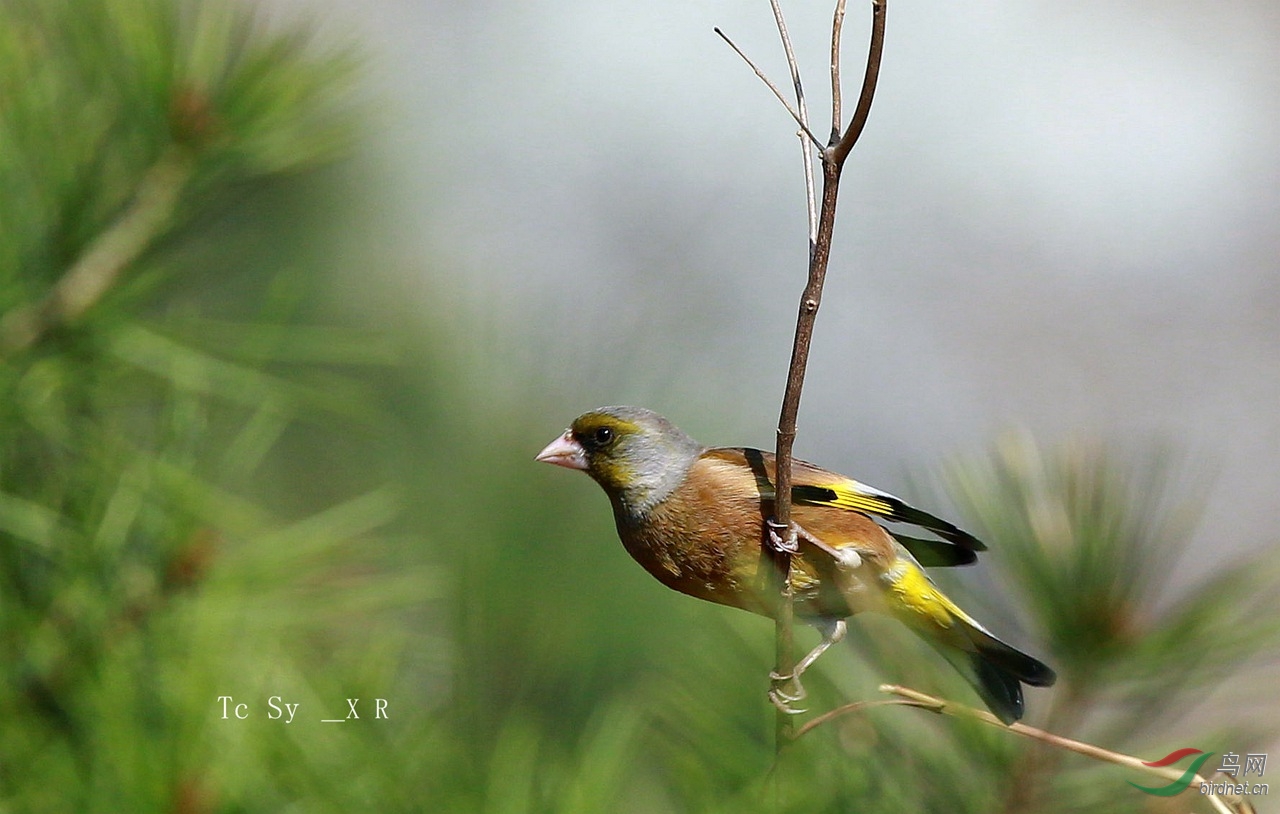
[[602, 436]]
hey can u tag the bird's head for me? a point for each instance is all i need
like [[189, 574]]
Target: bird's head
[[636, 455]]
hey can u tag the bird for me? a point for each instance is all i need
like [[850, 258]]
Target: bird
[[695, 517]]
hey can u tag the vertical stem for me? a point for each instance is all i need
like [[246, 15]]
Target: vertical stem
[[784, 654], [810, 300], [784, 622], [833, 158]]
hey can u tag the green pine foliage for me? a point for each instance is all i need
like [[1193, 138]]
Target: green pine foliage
[[1092, 539], [157, 548]]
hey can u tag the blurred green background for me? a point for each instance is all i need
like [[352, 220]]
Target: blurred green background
[[294, 292]]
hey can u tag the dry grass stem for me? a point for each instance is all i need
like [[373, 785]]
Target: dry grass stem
[[945, 707]]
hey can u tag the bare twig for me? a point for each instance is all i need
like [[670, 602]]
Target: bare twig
[[837, 27], [945, 707], [98, 268], [863, 110], [783, 631], [790, 53], [810, 199], [833, 159], [833, 156], [810, 194], [794, 113], [820, 253]]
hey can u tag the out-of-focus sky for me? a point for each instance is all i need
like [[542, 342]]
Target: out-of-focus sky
[[1064, 217]]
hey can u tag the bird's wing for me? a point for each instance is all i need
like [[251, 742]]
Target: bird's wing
[[822, 488], [737, 478], [815, 486], [935, 553]]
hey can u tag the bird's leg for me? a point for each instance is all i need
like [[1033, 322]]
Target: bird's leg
[[787, 689], [781, 697], [832, 631]]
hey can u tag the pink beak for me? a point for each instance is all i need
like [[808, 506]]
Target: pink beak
[[564, 451]]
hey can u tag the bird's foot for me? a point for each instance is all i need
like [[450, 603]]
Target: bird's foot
[[785, 691], [790, 543]]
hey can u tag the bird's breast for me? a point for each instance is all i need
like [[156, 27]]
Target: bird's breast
[[709, 555]]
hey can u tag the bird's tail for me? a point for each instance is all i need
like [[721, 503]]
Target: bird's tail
[[995, 669]]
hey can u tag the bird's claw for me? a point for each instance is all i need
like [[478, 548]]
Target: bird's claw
[[789, 544], [786, 690], [784, 706]]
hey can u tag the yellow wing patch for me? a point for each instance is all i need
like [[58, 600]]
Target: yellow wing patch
[[846, 498], [851, 495]]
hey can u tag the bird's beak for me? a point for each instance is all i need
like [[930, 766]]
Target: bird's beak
[[564, 451]]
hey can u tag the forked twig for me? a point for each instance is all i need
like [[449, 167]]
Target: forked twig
[[833, 156], [876, 50], [765, 79]]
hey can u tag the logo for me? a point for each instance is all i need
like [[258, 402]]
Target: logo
[[1180, 785], [1253, 764]]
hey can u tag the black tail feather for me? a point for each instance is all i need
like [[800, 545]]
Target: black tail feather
[[1011, 660], [1000, 670], [1001, 691], [996, 671]]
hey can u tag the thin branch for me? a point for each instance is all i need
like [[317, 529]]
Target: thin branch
[[810, 300], [819, 256], [778, 548], [792, 66], [810, 199], [833, 159], [102, 262], [784, 619], [837, 28], [810, 193], [863, 110], [794, 114], [848, 709], [944, 707]]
